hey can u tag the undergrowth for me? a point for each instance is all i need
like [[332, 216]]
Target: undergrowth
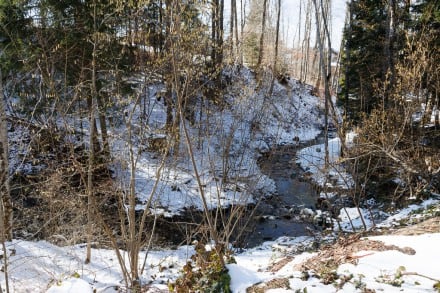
[[205, 272]]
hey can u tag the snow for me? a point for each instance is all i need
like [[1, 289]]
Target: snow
[[378, 268], [354, 219], [72, 285], [312, 160], [373, 270], [247, 277], [253, 125], [44, 267], [406, 212], [40, 266], [246, 129]]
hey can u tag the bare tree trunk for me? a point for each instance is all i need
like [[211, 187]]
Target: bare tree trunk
[[237, 44], [217, 32], [348, 23], [133, 244], [275, 71], [214, 20], [305, 50], [388, 70], [328, 72], [263, 29], [217, 10], [242, 20], [5, 191], [103, 127], [231, 30], [326, 68], [297, 66], [220, 34], [91, 163]]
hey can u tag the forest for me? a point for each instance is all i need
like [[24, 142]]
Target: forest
[[210, 128]]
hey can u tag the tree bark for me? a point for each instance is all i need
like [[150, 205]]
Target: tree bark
[[242, 23], [275, 64], [347, 55], [103, 126], [91, 163], [325, 68], [388, 70], [231, 30], [5, 191], [263, 28], [237, 51]]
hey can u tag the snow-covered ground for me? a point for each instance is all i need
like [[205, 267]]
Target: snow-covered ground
[[386, 271], [40, 266], [247, 127], [252, 124]]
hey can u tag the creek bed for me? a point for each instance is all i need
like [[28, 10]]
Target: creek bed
[[279, 215], [275, 216]]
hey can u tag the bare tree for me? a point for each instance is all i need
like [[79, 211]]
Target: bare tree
[[263, 31], [320, 9], [305, 48], [388, 67], [242, 24], [275, 63], [91, 163], [5, 192]]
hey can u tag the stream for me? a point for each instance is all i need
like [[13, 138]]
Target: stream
[[275, 216], [279, 215]]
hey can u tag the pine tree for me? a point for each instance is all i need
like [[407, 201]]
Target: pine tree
[[374, 36], [426, 27], [365, 38]]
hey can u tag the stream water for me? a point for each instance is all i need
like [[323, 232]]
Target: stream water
[[279, 215], [275, 216]]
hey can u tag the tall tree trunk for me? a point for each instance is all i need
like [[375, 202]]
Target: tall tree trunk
[[168, 98], [388, 70], [91, 163], [275, 64], [217, 33], [348, 23], [232, 24], [263, 29], [242, 23], [220, 34], [237, 50], [305, 50], [5, 191], [103, 126], [217, 9], [297, 66], [325, 67]]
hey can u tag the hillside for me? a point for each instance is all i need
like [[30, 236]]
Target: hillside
[[287, 264]]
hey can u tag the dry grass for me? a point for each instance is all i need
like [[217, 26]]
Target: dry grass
[[428, 226], [272, 284], [346, 250]]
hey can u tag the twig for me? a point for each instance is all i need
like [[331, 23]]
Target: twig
[[420, 275]]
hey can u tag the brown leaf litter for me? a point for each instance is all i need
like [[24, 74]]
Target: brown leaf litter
[[346, 250]]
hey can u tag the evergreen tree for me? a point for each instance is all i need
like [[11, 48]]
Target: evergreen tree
[[374, 36], [15, 36], [364, 36], [426, 27]]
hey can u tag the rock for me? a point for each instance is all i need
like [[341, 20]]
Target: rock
[[307, 213]]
